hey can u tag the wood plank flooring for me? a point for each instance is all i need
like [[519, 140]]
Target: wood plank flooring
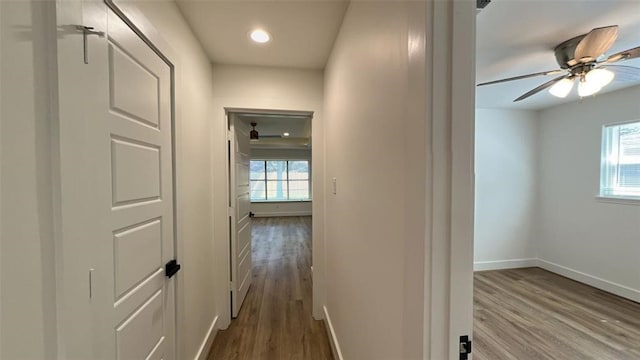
[[527, 314], [275, 320]]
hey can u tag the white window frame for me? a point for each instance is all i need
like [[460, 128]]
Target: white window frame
[[609, 167], [266, 180]]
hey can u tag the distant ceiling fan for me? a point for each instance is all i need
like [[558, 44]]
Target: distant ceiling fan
[[581, 59]]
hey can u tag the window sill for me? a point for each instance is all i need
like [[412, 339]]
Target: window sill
[[624, 200]]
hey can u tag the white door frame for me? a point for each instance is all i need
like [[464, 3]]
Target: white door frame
[[450, 59], [74, 332]]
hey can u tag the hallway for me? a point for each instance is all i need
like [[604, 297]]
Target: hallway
[[275, 321]]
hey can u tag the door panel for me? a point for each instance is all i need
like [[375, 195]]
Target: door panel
[[136, 171], [138, 254], [133, 302], [135, 89], [138, 336], [244, 204], [241, 264], [244, 258]]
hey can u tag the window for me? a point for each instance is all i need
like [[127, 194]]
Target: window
[[279, 180], [620, 164]]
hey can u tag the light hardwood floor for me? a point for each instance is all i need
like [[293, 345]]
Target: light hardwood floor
[[275, 320], [527, 314]]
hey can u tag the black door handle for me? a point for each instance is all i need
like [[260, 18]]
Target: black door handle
[[171, 268]]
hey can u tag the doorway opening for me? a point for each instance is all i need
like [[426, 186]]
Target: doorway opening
[[551, 249], [270, 226]]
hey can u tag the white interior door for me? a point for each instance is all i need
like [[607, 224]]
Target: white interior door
[[130, 130], [240, 222]]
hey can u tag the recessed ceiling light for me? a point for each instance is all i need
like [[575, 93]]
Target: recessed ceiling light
[[260, 36], [285, 134]]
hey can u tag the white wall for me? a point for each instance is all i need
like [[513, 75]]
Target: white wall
[[27, 305], [281, 154], [506, 188], [281, 208], [250, 87], [376, 151], [197, 281], [577, 232]]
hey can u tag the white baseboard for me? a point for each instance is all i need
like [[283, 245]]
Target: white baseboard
[[205, 347], [335, 346], [283, 213], [596, 282], [504, 264]]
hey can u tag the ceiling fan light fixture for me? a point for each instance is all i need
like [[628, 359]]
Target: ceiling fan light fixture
[[562, 88], [601, 77], [587, 88]]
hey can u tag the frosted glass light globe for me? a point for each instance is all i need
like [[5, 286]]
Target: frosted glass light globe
[[600, 77], [562, 88], [587, 88]]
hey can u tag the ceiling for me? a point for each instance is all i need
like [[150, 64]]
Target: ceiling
[[517, 37], [271, 129], [514, 37], [303, 31]]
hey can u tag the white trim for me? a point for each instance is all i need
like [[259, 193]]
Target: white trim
[[625, 122], [618, 200], [602, 284], [333, 339], [259, 111], [205, 347], [283, 213], [504, 264]]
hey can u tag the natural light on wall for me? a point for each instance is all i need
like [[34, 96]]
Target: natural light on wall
[[620, 161]]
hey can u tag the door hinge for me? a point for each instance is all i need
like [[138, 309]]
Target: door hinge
[[230, 285], [465, 347], [171, 268], [87, 30]]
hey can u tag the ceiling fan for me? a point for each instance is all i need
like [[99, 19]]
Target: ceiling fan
[[253, 134], [582, 60]]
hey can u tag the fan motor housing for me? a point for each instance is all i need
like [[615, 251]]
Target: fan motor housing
[[481, 4], [565, 52]]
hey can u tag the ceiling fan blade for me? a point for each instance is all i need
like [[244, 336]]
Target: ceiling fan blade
[[595, 43], [548, 84], [624, 55], [624, 73], [542, 73]]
